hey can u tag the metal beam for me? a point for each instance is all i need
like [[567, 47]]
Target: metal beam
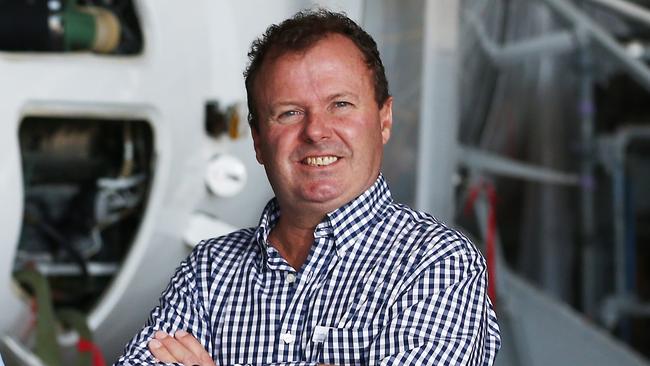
[[502, 166]]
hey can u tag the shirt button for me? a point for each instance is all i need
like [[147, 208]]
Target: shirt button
[[291, 278], [287, 337]]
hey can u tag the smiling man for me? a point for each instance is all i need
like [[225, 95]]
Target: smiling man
[[335, 272]]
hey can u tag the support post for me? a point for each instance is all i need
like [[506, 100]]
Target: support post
[[437, 160]]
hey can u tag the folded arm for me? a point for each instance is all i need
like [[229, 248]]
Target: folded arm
[[180, 308]]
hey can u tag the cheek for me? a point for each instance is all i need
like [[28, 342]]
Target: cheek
[[364, 134], [277, 146]]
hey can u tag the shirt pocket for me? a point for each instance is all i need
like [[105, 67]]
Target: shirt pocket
[[342, 346]]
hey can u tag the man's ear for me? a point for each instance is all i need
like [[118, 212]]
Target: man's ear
[[257, 144], [386, 119]]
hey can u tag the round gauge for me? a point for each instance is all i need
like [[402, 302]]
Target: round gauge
[[226, 175]]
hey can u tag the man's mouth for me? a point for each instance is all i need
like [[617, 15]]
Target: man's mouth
[[319, 160]]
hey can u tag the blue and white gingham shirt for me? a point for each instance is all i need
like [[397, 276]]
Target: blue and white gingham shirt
[[383, 285]]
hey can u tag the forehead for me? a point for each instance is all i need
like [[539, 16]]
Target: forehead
[[337, 44], [334, 57]]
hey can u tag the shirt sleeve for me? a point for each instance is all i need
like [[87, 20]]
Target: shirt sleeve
[[443, 317], [180, 307]]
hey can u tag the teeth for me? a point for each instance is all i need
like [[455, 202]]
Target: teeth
[[321, 160]]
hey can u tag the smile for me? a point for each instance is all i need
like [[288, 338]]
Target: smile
[[320, 160]]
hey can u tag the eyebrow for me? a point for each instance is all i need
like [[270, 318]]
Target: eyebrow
[[291, 103], [343, 95]]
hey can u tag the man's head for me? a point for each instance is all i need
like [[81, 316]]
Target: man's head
[[318, 129], [301, 32]]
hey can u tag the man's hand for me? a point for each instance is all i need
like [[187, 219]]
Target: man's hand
[[182, 347]]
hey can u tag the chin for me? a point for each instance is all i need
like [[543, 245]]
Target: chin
[[324, 193]]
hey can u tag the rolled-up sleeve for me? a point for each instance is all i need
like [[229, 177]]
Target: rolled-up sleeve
[[180, 307]]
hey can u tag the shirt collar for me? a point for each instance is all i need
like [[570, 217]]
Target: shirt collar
[[269, 218], [344, 223], [351, 219]]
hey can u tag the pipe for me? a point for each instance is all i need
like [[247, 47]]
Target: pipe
[[619, 227], [626, 8], [586, 27], [623, 262], [586, 112], [498, 165], [506, 55], [630, 237]]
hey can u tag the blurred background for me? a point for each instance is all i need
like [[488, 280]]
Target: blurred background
[[520, 122]]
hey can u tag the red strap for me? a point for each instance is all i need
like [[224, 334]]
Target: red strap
[[33, 308], [490, 246], [85, 345]]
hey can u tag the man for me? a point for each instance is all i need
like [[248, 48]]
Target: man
[[336, 272]]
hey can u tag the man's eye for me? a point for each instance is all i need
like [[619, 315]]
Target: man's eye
[[288, 115], [341, 104]]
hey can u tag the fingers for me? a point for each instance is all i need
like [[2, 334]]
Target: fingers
[[194, 346], [179, 352], [182, 348], [160, 352]]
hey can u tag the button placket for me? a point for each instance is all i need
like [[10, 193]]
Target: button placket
[[287, 341], [290, 338]]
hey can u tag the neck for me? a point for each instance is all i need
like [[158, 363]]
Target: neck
[[293, 237]]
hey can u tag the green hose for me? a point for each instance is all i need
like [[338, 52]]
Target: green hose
[[47, 347], [77, 321]]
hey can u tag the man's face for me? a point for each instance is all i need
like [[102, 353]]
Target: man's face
[[320, 132]]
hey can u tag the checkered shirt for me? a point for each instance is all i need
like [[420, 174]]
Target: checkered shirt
[[383, 285]]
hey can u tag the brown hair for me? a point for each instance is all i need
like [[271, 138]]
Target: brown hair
[[302, 31]]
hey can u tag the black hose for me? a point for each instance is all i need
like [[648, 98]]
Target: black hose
[[59, 239]]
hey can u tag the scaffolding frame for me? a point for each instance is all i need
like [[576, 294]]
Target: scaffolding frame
[[583, 35]]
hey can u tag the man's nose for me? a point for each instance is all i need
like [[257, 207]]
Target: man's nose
[[316, 127]]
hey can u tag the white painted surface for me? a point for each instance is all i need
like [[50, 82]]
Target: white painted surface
[[192, 53]]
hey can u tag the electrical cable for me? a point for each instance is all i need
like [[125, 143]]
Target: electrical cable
[[55, 236]]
